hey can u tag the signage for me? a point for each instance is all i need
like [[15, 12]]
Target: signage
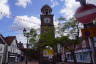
[[12, 54], [89, 32], [86, 14], [48, 52]]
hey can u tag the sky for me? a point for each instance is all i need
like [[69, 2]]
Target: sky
[[15, 15]]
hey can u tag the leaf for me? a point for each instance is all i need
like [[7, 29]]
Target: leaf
[[61, 18]]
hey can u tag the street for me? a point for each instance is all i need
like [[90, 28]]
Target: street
[[32, 62]]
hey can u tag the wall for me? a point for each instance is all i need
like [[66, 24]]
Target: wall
[[13, 48], [82, 55], [1, 52]]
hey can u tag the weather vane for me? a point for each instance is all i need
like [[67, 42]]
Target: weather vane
[[82, 2]]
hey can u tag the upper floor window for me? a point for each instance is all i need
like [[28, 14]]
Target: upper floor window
[[94, 39], [1, 41]]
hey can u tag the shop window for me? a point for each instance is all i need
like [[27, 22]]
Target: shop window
[[69, 57], [94, 39], [84, 57]]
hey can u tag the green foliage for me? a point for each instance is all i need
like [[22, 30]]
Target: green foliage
[[70, 25], [32, 36], [70, 46], [47, 39], [70, 28], [61, 18], [32, 40], [33, 33], [62, 39]]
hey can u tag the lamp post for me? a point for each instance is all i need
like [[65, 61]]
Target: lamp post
[[76, 38], [27, 36], [74, 46]]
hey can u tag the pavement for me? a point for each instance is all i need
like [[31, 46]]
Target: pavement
[[32, 62], [71, 63], [36, 62]]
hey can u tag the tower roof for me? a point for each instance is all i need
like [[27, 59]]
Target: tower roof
[[46, 9], [9, 39]]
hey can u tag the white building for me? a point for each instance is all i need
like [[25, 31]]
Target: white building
[[2, 49], [13, 50]]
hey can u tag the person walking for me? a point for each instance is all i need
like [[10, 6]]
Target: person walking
[[54, 59]]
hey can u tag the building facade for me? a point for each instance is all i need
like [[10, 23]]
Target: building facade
[[13, 50], [47, 24], [82, 53], [2, 48]]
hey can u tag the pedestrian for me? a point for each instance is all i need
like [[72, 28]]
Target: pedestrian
[[54, 59], [46, 60]]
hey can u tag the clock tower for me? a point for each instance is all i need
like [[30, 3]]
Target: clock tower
[[47, 25]]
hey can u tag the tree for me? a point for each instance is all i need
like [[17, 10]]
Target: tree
[[32, 36], [71, 27], [47, 38]]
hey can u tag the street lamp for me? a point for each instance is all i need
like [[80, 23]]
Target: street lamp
[[27, 36], [76, 39]]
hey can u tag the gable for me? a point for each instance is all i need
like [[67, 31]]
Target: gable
[[9, 39], [2, 40], [14, 43]]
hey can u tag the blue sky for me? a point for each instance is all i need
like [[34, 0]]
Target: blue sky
[[18, 14], [32, 8]]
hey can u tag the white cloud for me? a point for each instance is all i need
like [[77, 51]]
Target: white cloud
[[22, 22], [55, 22], [62, 0], [21, 38], [91, 1], [27, 22], [70, 8], [4, 8], [23, 3], [54, 3]]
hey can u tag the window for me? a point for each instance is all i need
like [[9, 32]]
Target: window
[[1, 41], [0, 59], [1, 48], [84, 57], [94, 39], [69, 57]]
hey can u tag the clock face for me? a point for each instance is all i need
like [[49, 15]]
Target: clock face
[[47, 20]]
